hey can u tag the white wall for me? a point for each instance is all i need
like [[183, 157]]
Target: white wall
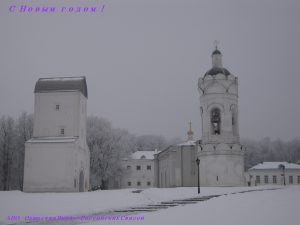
[[221, 170], [53, 167], [39, 170], [133, 175], [176, 167], [270, 173], [71, 114]]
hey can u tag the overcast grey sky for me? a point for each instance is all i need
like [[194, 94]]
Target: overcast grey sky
[[142, 60]]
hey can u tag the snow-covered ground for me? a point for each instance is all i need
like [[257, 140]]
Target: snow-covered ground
[[276, 207], [261, 207]]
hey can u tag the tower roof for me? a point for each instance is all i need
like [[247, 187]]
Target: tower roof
[[61, 84], [216, 70], [216, 51], [217, 64]]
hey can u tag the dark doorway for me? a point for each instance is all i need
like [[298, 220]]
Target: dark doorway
[[81, 182]]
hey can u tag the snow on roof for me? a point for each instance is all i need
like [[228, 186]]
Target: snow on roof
[[143, 154], [187, 143], [61, 84], [274, 165], [52, 140]]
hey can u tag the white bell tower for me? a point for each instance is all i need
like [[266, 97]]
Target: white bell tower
[[220, 153]]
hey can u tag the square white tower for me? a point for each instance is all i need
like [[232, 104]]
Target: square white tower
[[57, 157]]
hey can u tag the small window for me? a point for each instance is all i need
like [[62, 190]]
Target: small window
[[138, 183], [128, 167], [128, 183], [257, 180], [266, 179], [57, 107], [290, 179], [298, 179], [274, 180], [138, 167], [148, 183], [148, 167], [143, 157], [62, 131]]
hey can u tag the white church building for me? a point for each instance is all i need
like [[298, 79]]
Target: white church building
[[176, 165], [57, 157], [220, 152]]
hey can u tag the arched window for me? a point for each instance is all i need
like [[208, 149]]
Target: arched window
[[234, 120], [215, 121]]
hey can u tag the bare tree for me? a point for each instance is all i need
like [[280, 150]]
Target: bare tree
[[151, 142], [24, 130], [7, 134]]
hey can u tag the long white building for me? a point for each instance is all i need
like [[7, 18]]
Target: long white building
[[275, 173], [57, 157]]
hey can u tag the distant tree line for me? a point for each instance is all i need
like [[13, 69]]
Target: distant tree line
[[267, 150], [109, 145]]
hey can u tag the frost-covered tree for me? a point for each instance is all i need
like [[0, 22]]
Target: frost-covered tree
[[108, 146], [24, 131], [7, 145], [151, 142], [13, 135], [267, 150]]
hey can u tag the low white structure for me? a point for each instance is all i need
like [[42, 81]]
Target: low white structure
[[138, 170], [274, 173], [176, 165], [57, 157]]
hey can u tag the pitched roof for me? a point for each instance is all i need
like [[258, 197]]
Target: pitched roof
[[143, 154], [187, 143], [61, 84], [274, 165]]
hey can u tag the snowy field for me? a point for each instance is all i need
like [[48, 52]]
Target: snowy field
[[260, 207]]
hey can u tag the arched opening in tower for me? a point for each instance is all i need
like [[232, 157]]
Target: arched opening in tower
[[216, 121], [234, 120]]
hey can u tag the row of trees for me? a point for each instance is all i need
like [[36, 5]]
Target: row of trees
[[268, 150], [13, 134], [109, 145]]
